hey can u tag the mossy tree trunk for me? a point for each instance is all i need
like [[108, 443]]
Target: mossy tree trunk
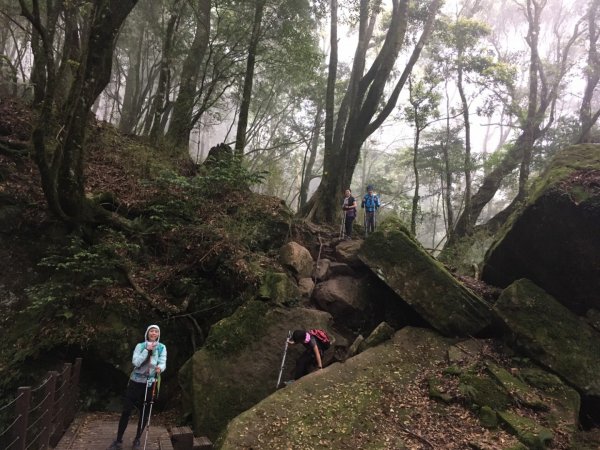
[[60, 156], [183, 120], [359, 115]]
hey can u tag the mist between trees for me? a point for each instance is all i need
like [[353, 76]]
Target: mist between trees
[[449, 110]]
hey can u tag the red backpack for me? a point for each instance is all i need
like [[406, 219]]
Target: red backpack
[[321, 337]]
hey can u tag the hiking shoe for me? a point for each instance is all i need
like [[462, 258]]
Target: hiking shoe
[[116, 445], [288, 382], [136, 445]]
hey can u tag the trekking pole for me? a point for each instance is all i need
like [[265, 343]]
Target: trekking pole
[[289, 336], [149, 411]]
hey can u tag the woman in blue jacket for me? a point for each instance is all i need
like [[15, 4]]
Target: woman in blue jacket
[[149, 361]]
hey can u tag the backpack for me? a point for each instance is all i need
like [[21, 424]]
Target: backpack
[[321, 337], [371, 202]]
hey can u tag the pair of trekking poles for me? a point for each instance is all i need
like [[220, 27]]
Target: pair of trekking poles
[[365, 224], [153, 396], [366, 221]]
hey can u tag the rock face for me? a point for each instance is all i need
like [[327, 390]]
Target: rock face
[[373, 398], [279, 288], [555, 240], [296, 258], [240, 362], [344, 297], [550, 334], [423, 283]]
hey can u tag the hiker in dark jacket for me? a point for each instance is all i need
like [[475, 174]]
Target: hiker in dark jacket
[[149, 361], [349, 208], [312, 356]]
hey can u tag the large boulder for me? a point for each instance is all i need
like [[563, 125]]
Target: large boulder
[[240, 362], [551, 335], [422, 282], [296, 258], [554, 240], [346, 298], [379, 399]]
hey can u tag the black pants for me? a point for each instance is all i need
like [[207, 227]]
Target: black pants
[[305, 363], [348, 223], [370, 221], [134, 398]]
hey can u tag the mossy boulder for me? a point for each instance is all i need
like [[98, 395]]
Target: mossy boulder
[[239, 364], [554, 240], [529, 432], [380, 334], [551, 335], [330, 408], [481, 390], [519, 391], [422, 282], [279, 288]]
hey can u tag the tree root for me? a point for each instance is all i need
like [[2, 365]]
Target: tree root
[[168, 309]]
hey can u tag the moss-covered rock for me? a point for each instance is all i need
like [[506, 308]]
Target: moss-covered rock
[[422, 282], [488, 417], [329, 409], [380, 334], [481, 390], [240, 362], [279, 288], [554, 240], [551, 335], [530, 433], [520, 392]]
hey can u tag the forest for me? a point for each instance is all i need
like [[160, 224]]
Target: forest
[[185, 162]]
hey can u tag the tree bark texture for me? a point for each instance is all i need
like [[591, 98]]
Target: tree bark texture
[[181, 124], [240, 139], [360, 103]]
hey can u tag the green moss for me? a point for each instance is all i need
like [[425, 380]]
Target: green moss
[[565, 163], [483, 391], [231, 335], [518, 390], [552, 335], [526, 430], [279, 288], [488, 417], [423, 282], [436, 392]]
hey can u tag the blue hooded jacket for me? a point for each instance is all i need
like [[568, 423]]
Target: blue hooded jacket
[[144, 368]]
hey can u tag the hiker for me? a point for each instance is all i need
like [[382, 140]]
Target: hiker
[[315, 342], [149, 361], [349, 209], [370, 203]]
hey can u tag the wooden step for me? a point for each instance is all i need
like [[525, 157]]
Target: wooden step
[[164, 443], [202, 443], [182, 438]]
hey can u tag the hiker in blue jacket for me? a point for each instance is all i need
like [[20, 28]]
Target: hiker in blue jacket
[[149, 361], [370, 203]]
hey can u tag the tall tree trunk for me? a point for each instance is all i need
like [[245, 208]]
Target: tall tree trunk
[[331, 78], [240, 138], [181, 124], [307, 172], [161, 95], [355, 121], [416, 198], [467, 124], [592, 75], [129, 114], [61, 163]]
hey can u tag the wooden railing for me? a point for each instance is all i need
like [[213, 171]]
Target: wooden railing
[[38, 417]]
